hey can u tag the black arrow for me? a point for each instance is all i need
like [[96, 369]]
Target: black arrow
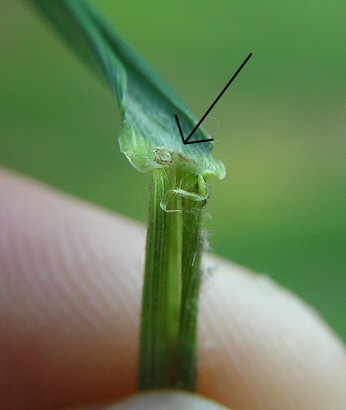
[[186, 140]]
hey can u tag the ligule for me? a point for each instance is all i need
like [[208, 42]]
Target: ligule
[[171, 287]]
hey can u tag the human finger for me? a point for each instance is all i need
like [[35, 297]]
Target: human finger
[[161, 400], [69, 312]]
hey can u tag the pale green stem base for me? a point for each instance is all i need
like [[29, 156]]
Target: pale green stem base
[[171, 286]]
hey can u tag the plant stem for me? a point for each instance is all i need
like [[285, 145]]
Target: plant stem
[[162, 290], [171, 286], [191, 277]]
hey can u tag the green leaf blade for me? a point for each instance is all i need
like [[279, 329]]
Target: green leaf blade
[[147, 104]]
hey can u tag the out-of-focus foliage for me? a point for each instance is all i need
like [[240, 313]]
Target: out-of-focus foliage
[[280, 130]]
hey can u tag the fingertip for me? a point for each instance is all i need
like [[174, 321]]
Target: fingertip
[[166, 400], [70, 278], [269, 349], [70, 286], [160, 400]]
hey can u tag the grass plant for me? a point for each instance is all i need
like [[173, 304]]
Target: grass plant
[[150, 140]]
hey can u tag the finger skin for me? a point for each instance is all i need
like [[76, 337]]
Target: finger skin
[[160, 400], [70, 286], [166, 400]]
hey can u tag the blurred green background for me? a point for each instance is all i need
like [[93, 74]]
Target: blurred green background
[[280, 128]]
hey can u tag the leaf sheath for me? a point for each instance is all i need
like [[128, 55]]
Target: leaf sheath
[[168, 340], [162, 290]]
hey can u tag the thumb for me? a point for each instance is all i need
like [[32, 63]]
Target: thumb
[[166, 400], [161, 400]]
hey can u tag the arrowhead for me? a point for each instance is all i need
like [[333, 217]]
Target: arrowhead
[[186, 140]]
